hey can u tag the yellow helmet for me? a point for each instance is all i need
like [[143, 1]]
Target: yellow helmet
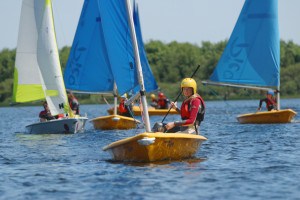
[[153, 96], [189, 82]]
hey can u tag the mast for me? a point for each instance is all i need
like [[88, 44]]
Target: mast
[[278, 97], [115, 98], [139, 67]]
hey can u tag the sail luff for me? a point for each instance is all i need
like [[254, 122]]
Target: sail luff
[[49, 64], [149, 80]]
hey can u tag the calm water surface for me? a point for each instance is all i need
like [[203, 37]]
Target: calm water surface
[[236, 162]]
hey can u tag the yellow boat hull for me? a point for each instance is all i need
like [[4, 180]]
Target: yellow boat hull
[[114, 122], [268, 117], [151, 110], [150, 147]]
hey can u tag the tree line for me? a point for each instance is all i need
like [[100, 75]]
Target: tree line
[[171, 62]]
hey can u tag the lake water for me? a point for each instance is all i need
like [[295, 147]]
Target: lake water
[[236, 162]]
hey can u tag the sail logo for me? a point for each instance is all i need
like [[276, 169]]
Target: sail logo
[[61, 105], [233, 58], [75, 64]]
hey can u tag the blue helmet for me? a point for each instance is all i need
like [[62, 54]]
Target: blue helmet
[[271, 92]]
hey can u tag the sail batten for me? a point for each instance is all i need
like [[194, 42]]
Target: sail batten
[[252, 55]]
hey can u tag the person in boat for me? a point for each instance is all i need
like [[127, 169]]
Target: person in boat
[[270, 101], [124, 110], [163, 102], [153, 101], [73, 102], [45, 115], [192, 109]]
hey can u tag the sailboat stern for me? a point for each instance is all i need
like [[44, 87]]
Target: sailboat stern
[[150, 147], [80, 124]]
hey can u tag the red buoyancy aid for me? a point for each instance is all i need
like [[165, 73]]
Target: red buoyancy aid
[[61, 115], [190, 110], [122, 108], [162, 103], [270, 102]]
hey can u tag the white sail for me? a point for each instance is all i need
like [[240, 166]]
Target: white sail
[[38, 72]]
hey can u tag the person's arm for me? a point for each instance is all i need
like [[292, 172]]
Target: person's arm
[[191, 120], [260, 103]]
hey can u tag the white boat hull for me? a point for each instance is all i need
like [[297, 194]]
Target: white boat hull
[[58, 126]]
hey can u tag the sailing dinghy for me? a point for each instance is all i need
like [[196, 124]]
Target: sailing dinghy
[[37, 74], [147, 146], [251, 58], [92, 55]]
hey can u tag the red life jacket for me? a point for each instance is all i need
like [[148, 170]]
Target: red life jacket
[[270, 102], [187, 105], [162, 103], [122, 108]]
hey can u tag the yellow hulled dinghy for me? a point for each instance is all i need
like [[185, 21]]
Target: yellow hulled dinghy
[[114, 122], [251, 59], [150, 147], [146, 146], [102, 60], [267, 117]]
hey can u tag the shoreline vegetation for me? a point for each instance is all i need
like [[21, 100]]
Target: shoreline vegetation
[[170, 63]]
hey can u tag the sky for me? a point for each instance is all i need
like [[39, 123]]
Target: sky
[[190, 21]]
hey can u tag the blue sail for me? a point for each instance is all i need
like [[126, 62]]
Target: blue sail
[[150, 82], [88, 67], [102, 51], [252, 55]]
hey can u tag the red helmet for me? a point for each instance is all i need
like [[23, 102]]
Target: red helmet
[[160, 94]]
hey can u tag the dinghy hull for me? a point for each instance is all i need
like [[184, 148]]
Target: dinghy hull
[[274, 116], [150, 147], [114, 122], [151, 110], [58, 126]]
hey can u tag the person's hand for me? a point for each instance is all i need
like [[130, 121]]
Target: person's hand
[[170, 125], [174, 105]]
